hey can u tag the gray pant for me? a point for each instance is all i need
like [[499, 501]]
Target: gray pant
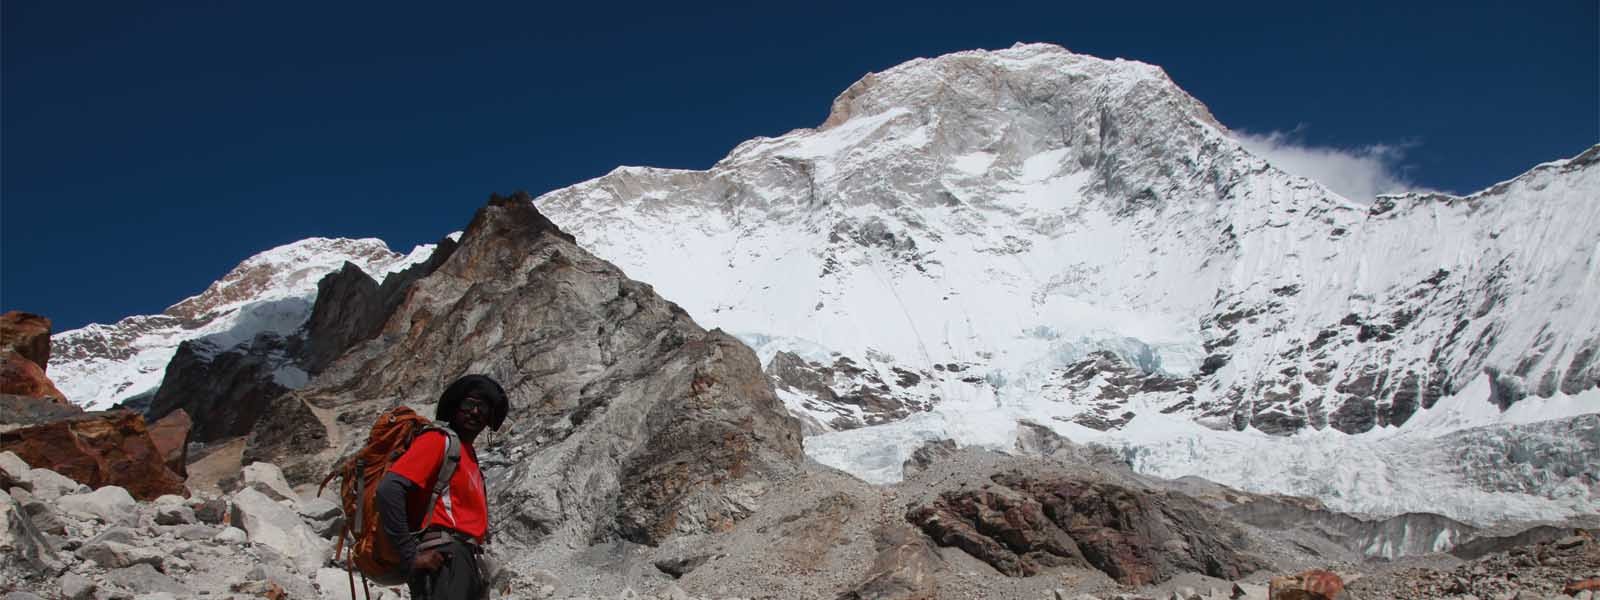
[[457, 579]]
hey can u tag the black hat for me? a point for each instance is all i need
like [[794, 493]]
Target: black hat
[[476, 386]]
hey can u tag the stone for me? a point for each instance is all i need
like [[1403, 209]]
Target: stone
[[171, 436], [76, 587], [232, 535], [145, 579], [14, 472], [1570, 542], [21, 541], [171, 499], [273, 525], [268, 479], [1248, 591], [27, 411], [49, 485], [113, 555], [1315, 584], [26, 334], [22, 377], [195, 532], [319, 509], [335, 584], [20, 596], [1591, 584], [98, 449], [174, 515], [211, 511], [120, 535], [111, 504]]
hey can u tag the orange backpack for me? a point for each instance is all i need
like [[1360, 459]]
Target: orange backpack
[[368, 550]]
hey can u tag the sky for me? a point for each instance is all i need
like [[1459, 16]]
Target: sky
[[146, 148]]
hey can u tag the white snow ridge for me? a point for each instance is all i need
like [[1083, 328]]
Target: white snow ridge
[[98, 366]]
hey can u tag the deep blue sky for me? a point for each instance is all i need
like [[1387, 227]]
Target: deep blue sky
[[148, 147]]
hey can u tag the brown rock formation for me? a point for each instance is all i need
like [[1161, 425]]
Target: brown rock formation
[[103, 448], [23, 377], [1023, 525], [170, 434], [1315, 584], [27, 334]]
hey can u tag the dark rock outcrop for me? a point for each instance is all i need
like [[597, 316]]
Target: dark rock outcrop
[[628, 420], [223, 390], [352, 307], [96, 449], [1023, 525]]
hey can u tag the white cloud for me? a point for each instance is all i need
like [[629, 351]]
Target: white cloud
[[1359, 174]]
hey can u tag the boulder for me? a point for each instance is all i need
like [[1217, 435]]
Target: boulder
[[1315, 584], [335, 584], [48, 485], [22, 377], [319, 509], [111, 504], [117, 555], [195, 533], [232, 535], [144, 579], [211, 511], [21, 542], [76, 587], [323, 515], [25, 411], [275, 526], [174, 514], [14, 472], [98, 449], [26, 334], [170, 434], [266, 478]]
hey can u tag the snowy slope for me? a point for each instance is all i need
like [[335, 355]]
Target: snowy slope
[[99, 365], [964, 232]]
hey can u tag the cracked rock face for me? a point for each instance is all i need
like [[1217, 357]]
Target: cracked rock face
[[628, 420], [1022, 525]]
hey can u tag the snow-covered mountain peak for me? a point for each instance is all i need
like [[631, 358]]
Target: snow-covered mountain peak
[[272, 292], [994, 234]]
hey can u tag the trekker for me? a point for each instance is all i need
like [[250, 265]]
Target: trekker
[[440, 544]]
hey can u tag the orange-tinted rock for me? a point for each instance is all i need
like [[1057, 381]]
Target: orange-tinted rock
[[1315, 584], [1591, 584], [171, 437], [97, 449], [27, 334], [23, 377]]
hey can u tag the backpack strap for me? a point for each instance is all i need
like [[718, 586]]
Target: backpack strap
[[447, 470]]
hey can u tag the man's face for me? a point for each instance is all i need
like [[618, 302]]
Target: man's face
[[471, 416]]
